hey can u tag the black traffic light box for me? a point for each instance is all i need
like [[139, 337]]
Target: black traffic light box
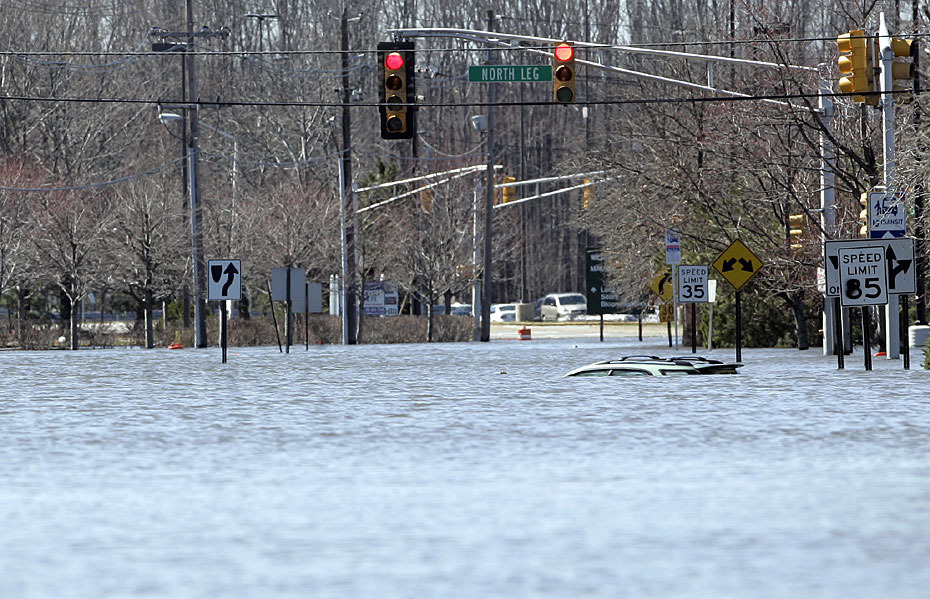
[[397, 85]]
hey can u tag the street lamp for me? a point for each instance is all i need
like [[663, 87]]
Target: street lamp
[[261, 22], [197, 257]]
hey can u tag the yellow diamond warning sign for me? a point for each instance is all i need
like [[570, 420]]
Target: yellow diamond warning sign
[[661, 285], [737, 264]]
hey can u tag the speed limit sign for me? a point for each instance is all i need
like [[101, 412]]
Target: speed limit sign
[[863, 276], [692, 284]]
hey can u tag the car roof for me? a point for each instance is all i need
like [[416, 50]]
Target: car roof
[[659, 366]]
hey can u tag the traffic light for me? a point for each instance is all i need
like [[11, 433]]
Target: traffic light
[[563, 73], [855, 64], [795, 231], [864, 214], [397, 96], [902, 48], [426, 200], [508, 194], [587, 195]]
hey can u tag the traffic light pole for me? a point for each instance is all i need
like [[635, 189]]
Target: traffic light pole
[[488, 206], [832, 340], [886, 82]]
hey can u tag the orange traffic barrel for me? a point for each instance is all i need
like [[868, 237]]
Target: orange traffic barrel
[[524, 334]]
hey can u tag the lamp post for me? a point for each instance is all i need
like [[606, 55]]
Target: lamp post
[[261, 29]]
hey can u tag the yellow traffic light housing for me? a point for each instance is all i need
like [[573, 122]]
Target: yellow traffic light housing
[[509, 194], [563, 73], [855, 64], [426, 200], [587, 195], [902, 48], [396, 81], [795, 231], [864, 214]]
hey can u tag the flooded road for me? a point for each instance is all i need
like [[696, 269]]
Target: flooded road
[[460, 470]]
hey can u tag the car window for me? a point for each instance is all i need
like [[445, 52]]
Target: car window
[[628, 372], [572, 299], [676, 372], [549, 301], [592, 373]]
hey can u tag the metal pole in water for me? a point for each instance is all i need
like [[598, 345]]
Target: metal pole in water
[[739, 328], [839, 346], [693, 332], [223, 333], [866, 338]]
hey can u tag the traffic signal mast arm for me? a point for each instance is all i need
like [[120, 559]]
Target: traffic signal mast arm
[[449, 176], [548, 194], [508, 41]]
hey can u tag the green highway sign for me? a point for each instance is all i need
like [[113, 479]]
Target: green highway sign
[[504, 73]]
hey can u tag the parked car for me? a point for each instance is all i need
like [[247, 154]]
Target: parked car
[[563, 306], [503, 312], [655, 366]]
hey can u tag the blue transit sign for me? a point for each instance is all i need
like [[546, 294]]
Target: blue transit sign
[[887, 215]]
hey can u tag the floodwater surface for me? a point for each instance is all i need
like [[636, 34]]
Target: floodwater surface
[[459, 470]]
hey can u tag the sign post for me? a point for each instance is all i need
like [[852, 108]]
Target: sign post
[[661, 285], [673, 257], [738, 265], [224, 284], [601, 300], [288, 285], [901, 272], [693, 289], [863, 282]]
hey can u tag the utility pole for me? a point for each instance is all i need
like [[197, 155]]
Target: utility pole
[[190, 138], [347, 197], [200, 280], [920, 245], [488, 206]]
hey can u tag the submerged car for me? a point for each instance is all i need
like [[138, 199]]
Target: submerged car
[[655, 366]]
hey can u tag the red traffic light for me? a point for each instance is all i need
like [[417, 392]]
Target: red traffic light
[[394, 61], [564, 52]]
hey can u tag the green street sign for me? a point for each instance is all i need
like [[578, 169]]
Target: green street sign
[[505, 73]]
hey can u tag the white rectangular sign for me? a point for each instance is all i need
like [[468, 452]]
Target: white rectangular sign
[[224, 280], [863, 276], [899, 257], [692, 284], [672, 247], [887, 215]]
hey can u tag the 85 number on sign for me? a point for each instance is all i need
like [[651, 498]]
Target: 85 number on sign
[[863, 276]]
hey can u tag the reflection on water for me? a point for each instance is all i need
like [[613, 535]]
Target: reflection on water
[[465, 470]]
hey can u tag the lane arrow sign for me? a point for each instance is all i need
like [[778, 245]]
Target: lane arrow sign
[[230, 272]]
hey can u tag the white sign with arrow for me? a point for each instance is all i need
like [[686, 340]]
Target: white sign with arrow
[[899, 261], [225, 280]]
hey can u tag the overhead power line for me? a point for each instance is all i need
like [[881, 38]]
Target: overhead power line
[[298, 104]]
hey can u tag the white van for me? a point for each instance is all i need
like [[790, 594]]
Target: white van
[[563, 306]]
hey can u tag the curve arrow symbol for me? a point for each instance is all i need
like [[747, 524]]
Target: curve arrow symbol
[[729, 264], [230, 272]]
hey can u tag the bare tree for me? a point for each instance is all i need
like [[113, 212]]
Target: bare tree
[[69, 233]]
